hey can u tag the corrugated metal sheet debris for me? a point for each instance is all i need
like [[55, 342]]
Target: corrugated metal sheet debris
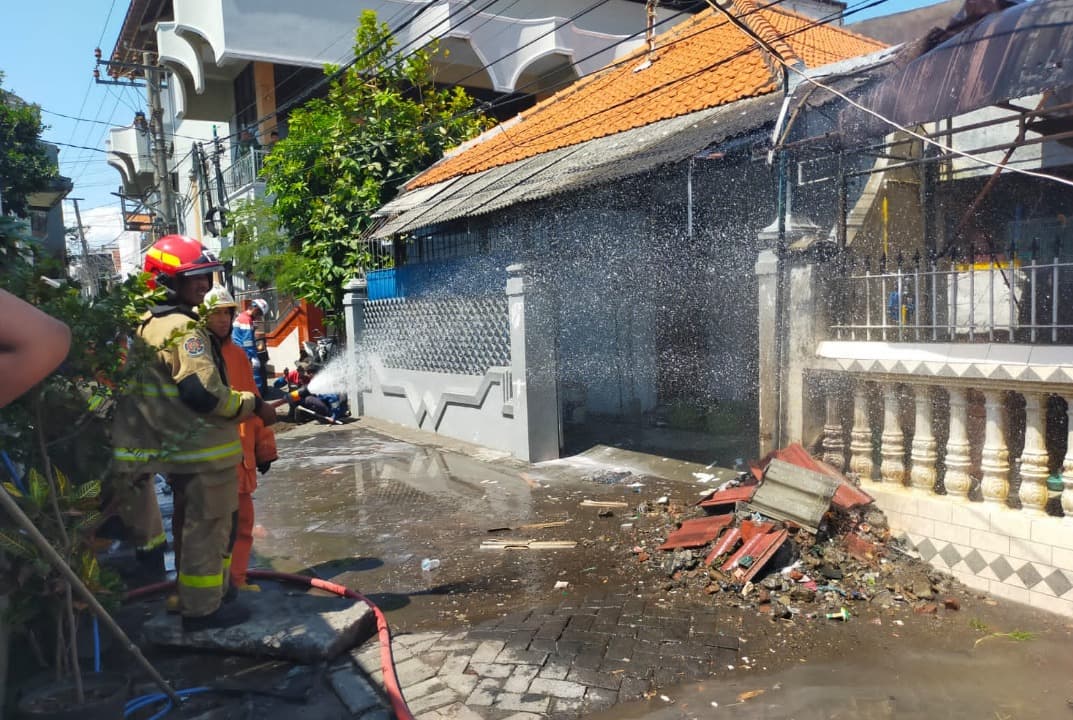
[[793, 493]]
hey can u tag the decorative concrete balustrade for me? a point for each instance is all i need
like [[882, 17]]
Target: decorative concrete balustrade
[[992, 480], [960, 468]]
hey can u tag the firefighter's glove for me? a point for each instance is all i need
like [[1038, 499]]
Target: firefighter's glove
[[263, 467]]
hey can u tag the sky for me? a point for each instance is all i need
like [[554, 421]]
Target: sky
[[47, 58]]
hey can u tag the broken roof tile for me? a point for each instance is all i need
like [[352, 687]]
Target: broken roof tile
[[759, 550], [697, 532], [849, 496], [729, 496], [726, 544]]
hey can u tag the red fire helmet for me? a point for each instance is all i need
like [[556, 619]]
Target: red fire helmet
[[174, 256]]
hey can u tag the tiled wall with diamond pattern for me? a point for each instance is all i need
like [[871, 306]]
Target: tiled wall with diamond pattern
[[450, 335], [999, 550]]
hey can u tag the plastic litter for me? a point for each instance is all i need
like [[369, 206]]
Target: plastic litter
[[428, 565], [842, 614]]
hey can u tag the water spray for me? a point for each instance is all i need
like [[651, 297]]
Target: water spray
[[330, 379]]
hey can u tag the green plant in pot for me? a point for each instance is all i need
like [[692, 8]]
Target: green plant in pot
[[56, 458]]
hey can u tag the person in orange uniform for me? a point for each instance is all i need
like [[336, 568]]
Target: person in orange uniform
[[258, 441]]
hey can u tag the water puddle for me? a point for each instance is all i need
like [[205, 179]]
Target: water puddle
[[365, 511]]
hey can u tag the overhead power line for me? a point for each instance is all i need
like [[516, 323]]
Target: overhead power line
[[895, 124], [632, 59]]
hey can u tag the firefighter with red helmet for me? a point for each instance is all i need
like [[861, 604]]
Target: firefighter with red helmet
[[182, 420]]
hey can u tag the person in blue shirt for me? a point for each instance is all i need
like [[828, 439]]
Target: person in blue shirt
[[900, 306], [244, 334]]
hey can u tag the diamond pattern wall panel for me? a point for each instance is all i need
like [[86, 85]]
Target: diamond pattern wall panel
[[1033, 575], [465, 336]]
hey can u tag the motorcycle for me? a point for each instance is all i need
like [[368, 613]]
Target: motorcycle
[[321, 349]]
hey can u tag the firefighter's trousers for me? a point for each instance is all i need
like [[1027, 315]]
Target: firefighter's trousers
[[139, 510], [209, 502]]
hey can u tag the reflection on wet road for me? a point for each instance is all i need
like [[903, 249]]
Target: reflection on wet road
[[365, 510]]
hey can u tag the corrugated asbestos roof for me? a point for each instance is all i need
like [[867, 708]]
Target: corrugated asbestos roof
[[699, 64], [567, 169]]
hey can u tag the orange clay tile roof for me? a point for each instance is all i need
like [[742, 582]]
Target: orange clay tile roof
[[701, 63]]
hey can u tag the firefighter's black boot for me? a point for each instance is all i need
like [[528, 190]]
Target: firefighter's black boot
[[150, 566], [223, 617]]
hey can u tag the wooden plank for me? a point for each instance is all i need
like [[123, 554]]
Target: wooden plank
[[528, 544]]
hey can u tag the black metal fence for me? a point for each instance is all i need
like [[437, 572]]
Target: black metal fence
[[1010, 297]]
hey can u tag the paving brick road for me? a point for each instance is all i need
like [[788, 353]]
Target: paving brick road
[[563, 661]]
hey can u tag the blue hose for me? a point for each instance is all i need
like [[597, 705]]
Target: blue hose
[[96, 645], [13, 472], [145, 701]]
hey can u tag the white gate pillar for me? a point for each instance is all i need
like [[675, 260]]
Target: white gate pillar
[[534, 368]]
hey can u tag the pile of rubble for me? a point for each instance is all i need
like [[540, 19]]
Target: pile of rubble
[[794, 537]]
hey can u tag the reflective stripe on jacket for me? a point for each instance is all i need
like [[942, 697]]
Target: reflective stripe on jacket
[[180, 416]]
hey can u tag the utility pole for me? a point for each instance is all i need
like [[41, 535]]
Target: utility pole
[[89, 282], [153, 74]]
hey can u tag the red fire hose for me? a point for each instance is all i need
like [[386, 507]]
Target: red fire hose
[[387, 662]]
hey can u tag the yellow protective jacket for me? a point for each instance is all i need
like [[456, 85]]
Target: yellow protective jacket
[[181, 417]]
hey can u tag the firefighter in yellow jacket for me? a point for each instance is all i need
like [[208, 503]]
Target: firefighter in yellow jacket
[[182, 420]]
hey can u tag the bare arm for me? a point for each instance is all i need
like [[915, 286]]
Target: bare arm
[[32, 345]]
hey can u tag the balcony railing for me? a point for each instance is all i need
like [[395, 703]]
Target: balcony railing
[[279, 304], [245, 170], [1009, 298]]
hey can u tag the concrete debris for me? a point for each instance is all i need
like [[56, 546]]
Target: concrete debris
[[795, 494], [612, 477], [815, 546]]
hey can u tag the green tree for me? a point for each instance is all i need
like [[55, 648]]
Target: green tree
[[383, 120], [260, 248], [25, 166], [57, 440]]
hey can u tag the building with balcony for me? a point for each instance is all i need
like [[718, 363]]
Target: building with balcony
[[235, 69], [45, 211], [915, 296]]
